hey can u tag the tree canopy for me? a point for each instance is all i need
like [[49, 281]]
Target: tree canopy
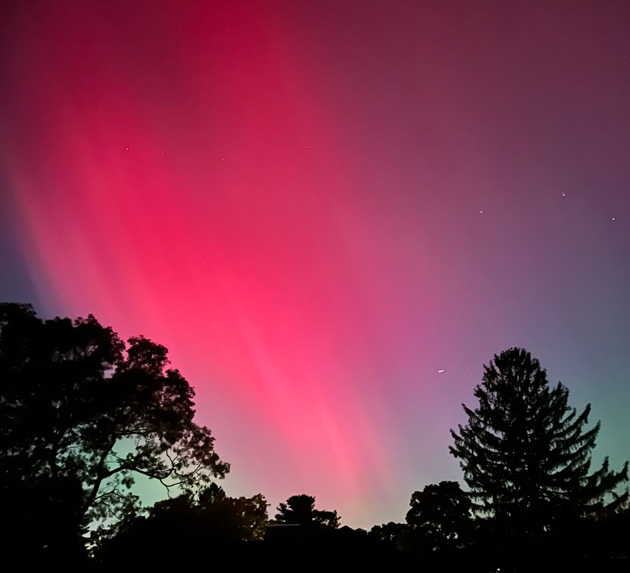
[[525, 453], [440, 515], [84, 413], [300, 510], [206, 522]]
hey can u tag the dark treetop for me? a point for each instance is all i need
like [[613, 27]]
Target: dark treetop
[[83, 412], [525, 453]]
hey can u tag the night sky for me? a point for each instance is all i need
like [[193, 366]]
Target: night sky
[[332, 214]]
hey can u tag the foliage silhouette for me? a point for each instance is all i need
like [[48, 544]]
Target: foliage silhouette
[[41, 524], [80, 407], [300, 510], [526, 456], [82, 413], [391, 534], [207, 519], [440, 516]]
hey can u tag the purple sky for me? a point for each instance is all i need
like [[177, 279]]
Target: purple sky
[[318, 206]]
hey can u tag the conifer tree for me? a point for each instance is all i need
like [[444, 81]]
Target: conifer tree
[[526, 454]]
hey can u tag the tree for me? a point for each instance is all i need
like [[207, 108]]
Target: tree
[[300, 509], [83, 412], [440, 515], [391, 534], [206, 523], [525, 453]]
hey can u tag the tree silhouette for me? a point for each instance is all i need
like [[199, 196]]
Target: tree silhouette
[[300, 510], [80, 407], [440, 515], [206, 521], [391, 534], [525, 453]]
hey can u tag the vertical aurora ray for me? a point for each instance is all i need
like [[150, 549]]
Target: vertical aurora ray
[[203, 202], [331, 213]]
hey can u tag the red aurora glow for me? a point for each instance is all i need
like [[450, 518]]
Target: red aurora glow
[[331, 212], [202, 203]]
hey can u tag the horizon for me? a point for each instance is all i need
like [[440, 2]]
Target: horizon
[[331, 215]]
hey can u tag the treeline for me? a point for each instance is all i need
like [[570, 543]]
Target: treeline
[[83, 414]]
